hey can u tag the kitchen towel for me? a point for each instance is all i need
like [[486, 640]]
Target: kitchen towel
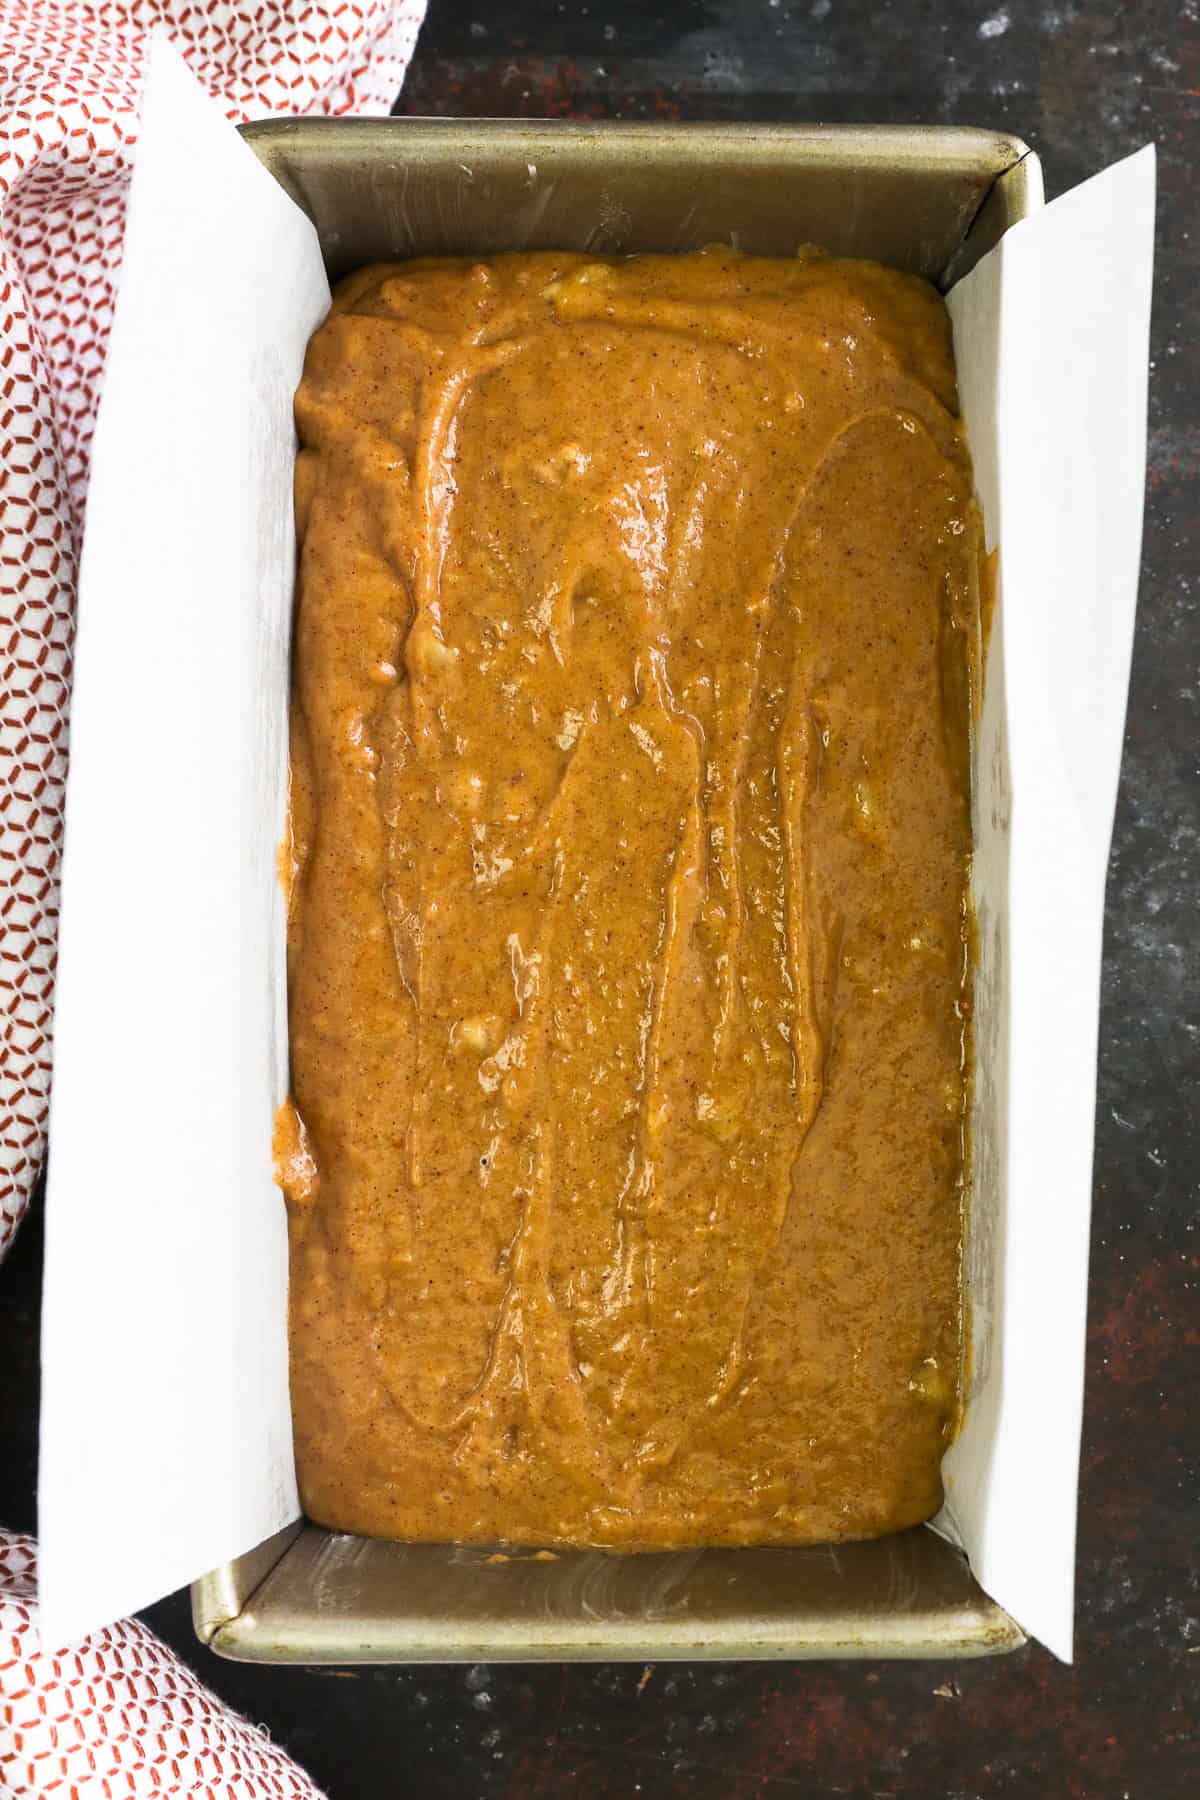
[[118, 1715], [70, 81]]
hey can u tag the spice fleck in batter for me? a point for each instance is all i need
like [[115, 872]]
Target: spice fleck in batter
[[628, 944]]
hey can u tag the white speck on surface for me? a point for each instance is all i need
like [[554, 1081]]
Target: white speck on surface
[[723, 66], [996, 26], [646, 743], [489, 869], [539, 617], [572, 725]]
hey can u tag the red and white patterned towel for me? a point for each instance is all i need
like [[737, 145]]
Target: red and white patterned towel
[[119, 1716], [70, 82]]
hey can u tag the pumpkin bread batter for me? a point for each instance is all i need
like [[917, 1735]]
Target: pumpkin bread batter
[[629, 974]]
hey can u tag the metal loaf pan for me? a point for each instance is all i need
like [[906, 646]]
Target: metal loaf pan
[[928, 199]]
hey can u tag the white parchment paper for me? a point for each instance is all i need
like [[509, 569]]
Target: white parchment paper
[[1051, 340], [166, 1434], [166, 1437]]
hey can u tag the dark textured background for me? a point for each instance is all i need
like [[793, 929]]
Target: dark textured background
[[1083, 84]]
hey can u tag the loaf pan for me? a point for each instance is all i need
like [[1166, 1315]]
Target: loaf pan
[[928, 199]]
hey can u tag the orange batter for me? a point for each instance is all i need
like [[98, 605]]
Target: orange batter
[[629, 977]]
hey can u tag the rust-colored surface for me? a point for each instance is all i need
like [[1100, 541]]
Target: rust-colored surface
[[1084, 84]]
